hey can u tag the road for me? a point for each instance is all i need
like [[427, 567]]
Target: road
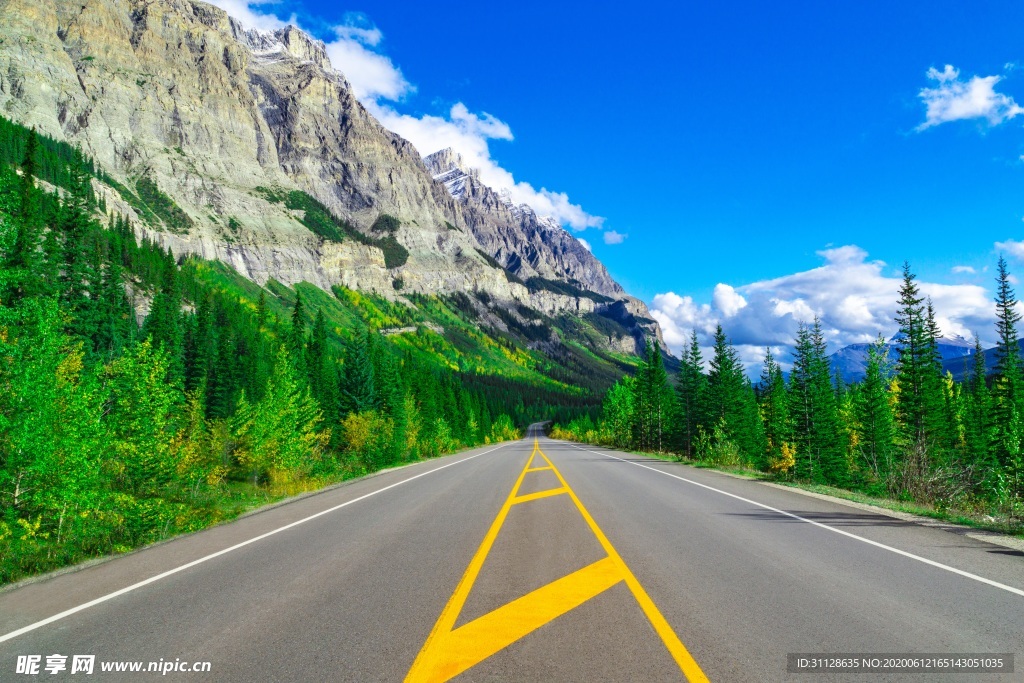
[[536, 560]]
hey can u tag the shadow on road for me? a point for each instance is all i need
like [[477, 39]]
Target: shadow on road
[[837, 519]]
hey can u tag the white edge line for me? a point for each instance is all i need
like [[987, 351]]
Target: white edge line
[[975, 577], [193, 563]]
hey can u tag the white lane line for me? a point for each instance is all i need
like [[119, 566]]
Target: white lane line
[[975, 577], [169, 572]]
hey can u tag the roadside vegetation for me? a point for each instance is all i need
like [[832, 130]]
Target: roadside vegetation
[[907, 433], [143, 396]]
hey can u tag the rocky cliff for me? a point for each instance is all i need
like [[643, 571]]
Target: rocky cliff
[[184, 107], [527, 244]]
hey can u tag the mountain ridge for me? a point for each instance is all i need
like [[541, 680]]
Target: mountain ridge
[[178, 100]]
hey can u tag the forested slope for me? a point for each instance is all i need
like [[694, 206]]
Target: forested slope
[[143, 396]]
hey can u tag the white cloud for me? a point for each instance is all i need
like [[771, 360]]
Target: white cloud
[[468, 134], [612, 237], [728, 300], [377, 82], [851, 294], [250, 15], [964, 269], [678, 315], [586, 244], [370, 74], [953, 99], [1012, 247]]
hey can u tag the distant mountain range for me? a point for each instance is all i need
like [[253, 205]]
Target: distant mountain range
[[957, 353]]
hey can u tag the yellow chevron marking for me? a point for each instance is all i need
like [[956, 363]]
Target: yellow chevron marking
[[449, 651]]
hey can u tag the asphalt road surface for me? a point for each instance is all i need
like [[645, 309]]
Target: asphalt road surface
[[536, 560]]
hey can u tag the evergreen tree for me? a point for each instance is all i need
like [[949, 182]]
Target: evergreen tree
[[819, 454], [652, 401], [874, 417], [731, 408], [316, 359], [261, 309], [916, 360], [358, 392], [1007, 391], [296, 340], [690, 396], [24, 259], [279, 436], [774, 410], [978, 428]]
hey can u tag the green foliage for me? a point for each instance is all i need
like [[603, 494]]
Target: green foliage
[[537, 283], [173, 217], [691, 398], [773, 405], [278, 436], [395, 255], [913, 434], [319, 219], [819, 455], [112, 436], [385, 223], [1008, 390], [730, 405], [875, 425]]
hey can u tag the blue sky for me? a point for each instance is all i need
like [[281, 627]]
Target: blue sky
[[736, 146]]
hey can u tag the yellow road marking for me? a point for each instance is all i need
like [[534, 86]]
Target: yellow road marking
[[448, 651], [526, 498], [454, 652], [675, 646]]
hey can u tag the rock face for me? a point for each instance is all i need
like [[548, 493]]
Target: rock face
[[220, 118], [527, 244]]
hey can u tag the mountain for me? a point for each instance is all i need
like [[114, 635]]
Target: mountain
[[527, 244], [249, 148], [960, 368], [536, 249], [851, 361]]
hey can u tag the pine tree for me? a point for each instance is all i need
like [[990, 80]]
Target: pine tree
[[1007, 391], [731, 408], [690, 396], [164, 324], [652, 401], [296, 340], [261, 309], [916, 360], [873, 413], [357, 386], [978, 432], [941, 420], [819, 454], [316, 358], [774, 410], [24, 259]]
